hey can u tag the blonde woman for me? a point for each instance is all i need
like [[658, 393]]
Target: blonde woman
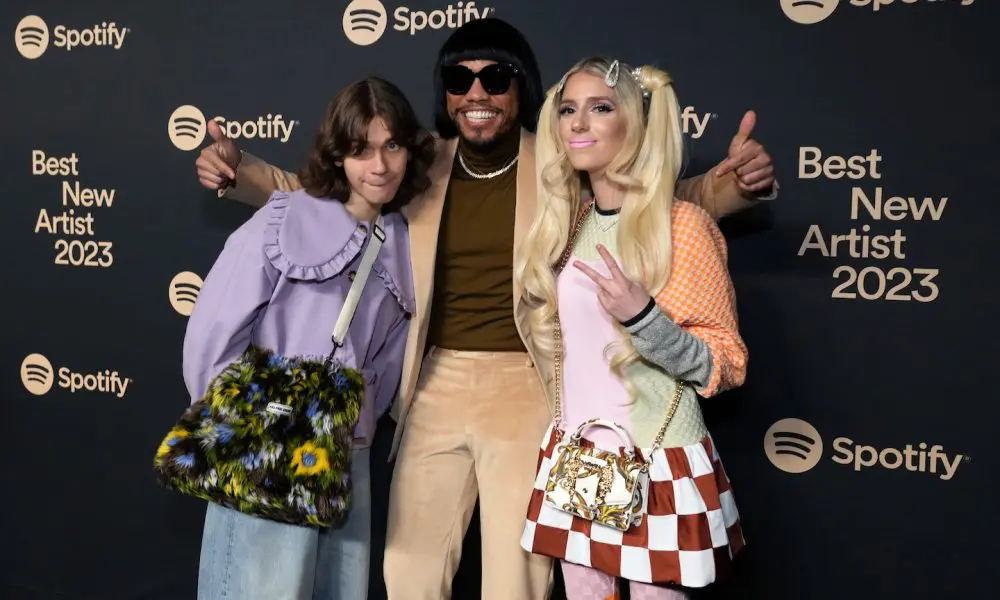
[[629, 303]]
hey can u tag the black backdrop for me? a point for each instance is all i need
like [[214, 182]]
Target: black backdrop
[[881, 354]]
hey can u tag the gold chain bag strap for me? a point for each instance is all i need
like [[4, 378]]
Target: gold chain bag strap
[[603, 486]]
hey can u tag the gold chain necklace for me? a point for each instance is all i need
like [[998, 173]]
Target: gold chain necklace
[[496, 173]]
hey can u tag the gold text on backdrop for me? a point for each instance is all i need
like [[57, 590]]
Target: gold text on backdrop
[[810, 12], [871, 282], [76, 218], [38, 376], [365, 20], [796, 446]]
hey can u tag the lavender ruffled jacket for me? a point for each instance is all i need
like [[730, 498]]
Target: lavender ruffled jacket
[[280, 282]]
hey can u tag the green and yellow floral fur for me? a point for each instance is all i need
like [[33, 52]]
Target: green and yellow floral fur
[[228, 448]]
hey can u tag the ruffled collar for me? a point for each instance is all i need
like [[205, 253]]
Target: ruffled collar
[[315, 239]]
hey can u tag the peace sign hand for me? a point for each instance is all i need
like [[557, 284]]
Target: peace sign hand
[[619, 296]]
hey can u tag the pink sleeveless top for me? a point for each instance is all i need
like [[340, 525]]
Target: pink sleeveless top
[[590, 388]]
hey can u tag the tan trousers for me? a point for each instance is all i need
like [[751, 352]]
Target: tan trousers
[[474, 429]]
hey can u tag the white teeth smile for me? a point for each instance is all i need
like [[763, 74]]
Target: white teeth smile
[[480, 115]]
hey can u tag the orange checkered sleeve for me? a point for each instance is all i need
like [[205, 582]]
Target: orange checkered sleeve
[[700, 297]]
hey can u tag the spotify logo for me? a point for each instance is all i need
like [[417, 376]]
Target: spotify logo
[[808, 12], [37, 374], [364, 21], [186, 127], [183, 292], [31, 37], [793, 445]]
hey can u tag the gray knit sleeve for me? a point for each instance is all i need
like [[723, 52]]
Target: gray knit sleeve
[[661, 342]]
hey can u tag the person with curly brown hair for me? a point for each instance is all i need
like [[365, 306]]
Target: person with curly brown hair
[[281, 282]]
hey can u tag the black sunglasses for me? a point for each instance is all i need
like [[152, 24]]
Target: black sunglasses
[[458, 79]]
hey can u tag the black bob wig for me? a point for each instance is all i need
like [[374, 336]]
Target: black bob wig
[[497, 40]]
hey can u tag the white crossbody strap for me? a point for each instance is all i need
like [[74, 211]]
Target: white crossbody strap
[[360, 277]]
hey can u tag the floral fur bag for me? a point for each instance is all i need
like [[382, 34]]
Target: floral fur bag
[[272, 436]]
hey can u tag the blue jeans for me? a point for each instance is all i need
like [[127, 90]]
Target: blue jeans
[[249, 558]]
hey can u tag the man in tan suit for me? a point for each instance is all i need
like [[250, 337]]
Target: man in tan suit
[[471, 410]]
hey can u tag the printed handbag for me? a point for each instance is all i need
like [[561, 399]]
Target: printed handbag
[[598, 485], [272, 436]]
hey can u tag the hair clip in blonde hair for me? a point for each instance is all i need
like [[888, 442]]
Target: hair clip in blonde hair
[[562, 83], [637, 75], [614, 72], [611, 77]]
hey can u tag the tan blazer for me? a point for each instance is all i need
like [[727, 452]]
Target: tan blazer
[[256, 180]]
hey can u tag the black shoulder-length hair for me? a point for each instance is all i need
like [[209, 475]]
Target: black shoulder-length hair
[[497, 40], [344, 131]]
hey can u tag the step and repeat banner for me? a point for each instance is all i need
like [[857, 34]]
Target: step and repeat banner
[[859, 447]]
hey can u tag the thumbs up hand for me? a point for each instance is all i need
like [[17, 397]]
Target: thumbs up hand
[[216, 165], [752, 164]]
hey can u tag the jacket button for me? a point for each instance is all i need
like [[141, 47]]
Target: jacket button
[[350, 276]]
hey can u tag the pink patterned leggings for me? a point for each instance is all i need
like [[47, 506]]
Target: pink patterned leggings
[[584, 583]]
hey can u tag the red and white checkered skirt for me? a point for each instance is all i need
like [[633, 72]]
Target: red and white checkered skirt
[[690, 531]]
